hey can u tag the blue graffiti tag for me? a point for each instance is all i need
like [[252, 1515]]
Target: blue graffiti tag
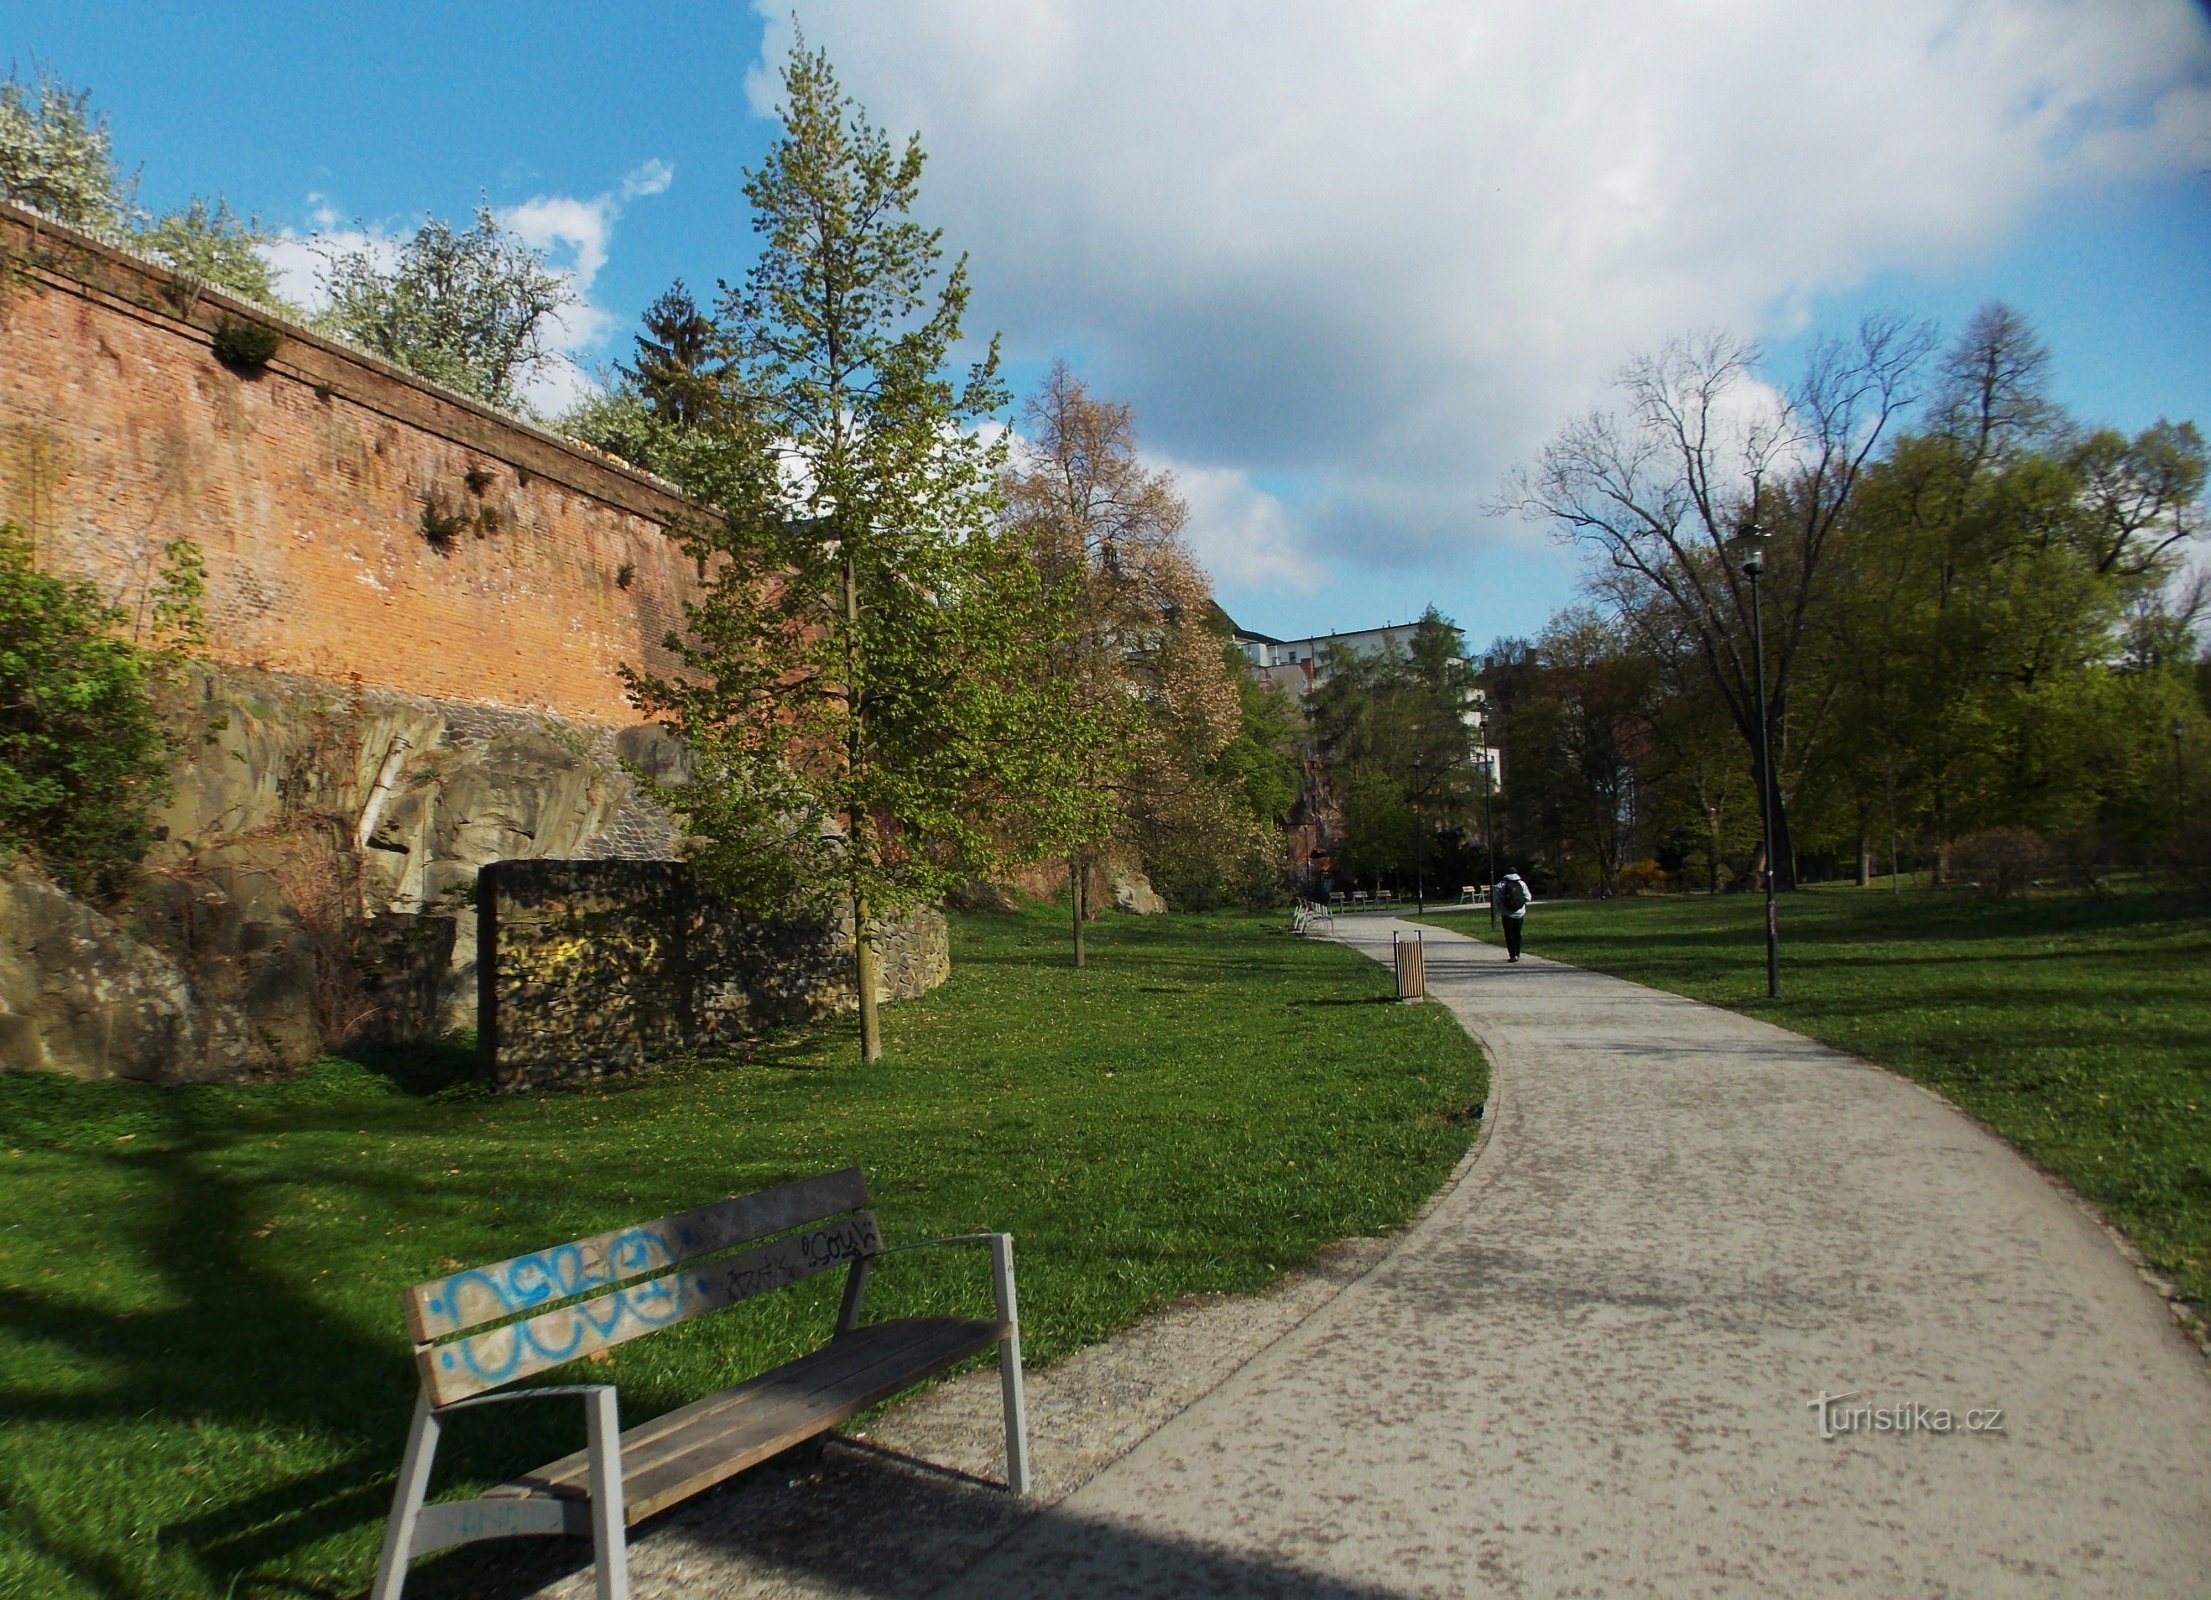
[[549, 1276]]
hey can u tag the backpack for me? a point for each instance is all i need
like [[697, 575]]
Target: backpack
[[1512, 897]]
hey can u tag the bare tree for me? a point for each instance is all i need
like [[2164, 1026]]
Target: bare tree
[[1660, 493]]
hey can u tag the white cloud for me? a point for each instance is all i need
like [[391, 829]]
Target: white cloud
[[647, 177], [1241, 534], [573, 233], [1393, 247]]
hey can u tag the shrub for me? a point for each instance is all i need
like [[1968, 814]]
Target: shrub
[[246, 345], [82, 758], [1642, 877], [2002, 861]]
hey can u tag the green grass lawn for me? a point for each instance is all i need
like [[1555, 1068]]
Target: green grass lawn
[[2078, 1029], [203, 1380]]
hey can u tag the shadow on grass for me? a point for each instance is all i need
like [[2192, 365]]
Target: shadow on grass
[[230, 1343], [237, 1350]]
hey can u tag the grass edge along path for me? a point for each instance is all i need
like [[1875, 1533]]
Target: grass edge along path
[[203, 1379], [2078, 1030]]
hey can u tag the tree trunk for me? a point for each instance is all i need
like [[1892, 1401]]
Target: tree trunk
[[1783, 853], [864, 962], [1078, 877]]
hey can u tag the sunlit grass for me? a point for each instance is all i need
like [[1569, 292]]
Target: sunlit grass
[[203, 1379]]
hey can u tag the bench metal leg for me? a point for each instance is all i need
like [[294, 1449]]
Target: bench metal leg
[[419, 1530], [855, 1295], [1009, 1364], [609, 1540], [414, 1483]]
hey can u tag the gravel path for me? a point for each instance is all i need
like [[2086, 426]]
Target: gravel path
[[1591, 1369]]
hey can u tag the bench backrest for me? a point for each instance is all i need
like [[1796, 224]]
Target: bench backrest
[[489, 1326]]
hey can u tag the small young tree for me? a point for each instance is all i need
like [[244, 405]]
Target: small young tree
[[850, 685], [467, 309]]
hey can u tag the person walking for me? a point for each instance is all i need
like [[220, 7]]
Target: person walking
[[1513, 900]]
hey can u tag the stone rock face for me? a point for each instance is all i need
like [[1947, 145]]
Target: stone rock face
[[976, 894], [596, 967], [316, 885], [79, 994], [1133, 893]]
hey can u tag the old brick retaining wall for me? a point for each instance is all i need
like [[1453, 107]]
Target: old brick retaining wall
[[304, 485], [591, 967]]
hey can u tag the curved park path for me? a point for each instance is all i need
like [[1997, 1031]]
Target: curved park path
[[1590, 1370]]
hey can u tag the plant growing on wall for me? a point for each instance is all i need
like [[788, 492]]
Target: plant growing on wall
[[441, 523], [246, 345], [849, 687]]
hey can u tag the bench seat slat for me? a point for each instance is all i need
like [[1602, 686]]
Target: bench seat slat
[[675, 1456], [469, 1299]]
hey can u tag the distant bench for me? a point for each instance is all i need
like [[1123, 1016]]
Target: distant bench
[[480, 1330]]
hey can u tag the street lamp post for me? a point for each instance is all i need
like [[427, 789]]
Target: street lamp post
[[1489, 825], [1420, 848], [1754, 568], [2179, 731]]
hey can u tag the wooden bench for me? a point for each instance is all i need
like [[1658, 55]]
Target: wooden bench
[[480, 1330], [1308, 914]]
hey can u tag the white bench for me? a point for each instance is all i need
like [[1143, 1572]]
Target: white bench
[[478, 1331]]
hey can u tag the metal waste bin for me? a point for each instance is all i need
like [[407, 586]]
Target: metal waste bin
[[1412, 966]]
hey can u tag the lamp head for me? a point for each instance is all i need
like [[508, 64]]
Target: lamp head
[[1751, 539]]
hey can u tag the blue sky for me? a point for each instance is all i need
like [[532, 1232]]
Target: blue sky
[[1349, 269]]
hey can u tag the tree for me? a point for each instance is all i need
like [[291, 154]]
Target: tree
[[1661, 495], [852, 683], [469, 309], [216, 246], [676, 371], [1392, 741], [56, 155], [1104, 535]]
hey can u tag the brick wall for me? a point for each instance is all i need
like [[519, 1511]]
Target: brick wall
[[304, 484]]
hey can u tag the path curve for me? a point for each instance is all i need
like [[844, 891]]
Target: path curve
[[1591, 1369]]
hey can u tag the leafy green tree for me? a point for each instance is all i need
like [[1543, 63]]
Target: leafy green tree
[[852, 684], [469, 309], [1402, 714], [83, 761]]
